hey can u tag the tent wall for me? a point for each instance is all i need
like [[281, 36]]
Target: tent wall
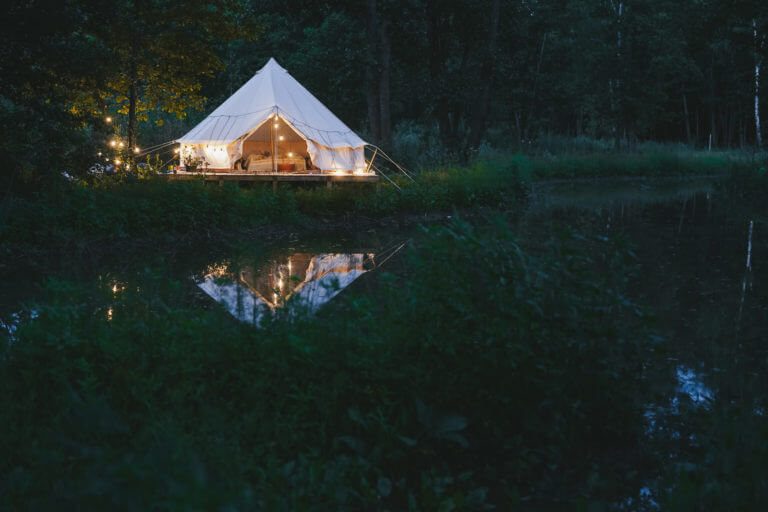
[[343, 159], [210, 156]]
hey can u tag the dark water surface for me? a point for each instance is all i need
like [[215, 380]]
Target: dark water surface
[[700, 270]]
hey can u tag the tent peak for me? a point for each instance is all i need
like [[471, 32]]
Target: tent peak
[[272, 64]]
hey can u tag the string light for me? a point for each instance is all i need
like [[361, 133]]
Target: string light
[[136, 149], [112, 143], [108, 119], [281, 137], [290, 154], [98, 154], [117, 162], [276, 125], [121, 144], [176, 150]]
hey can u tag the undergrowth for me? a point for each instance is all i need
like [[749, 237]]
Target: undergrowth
[[516, 380]]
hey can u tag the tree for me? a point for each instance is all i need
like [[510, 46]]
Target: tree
[[160, 52]]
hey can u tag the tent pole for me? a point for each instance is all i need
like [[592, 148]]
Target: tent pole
[[272, 143], [376, 150]]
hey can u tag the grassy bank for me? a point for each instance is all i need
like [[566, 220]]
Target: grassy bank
[[652, 163], [80, 214], [77, 215], [517, 380]]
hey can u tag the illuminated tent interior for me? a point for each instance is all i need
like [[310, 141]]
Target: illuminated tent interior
[[273, 124]]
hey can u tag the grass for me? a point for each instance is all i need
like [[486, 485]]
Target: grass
[[81, 214], [638, 164], [92, 215]]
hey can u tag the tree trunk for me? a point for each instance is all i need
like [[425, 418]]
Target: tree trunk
[[436, 63], [535, 88], [758, 133], [712, 113], [480, 112], [620, 126], [687, 121], [384, 103], [371, 72], [133, 98]]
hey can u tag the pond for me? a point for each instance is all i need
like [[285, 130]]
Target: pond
[[699, 270]]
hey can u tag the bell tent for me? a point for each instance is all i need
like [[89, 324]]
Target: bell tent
[[273, 124]]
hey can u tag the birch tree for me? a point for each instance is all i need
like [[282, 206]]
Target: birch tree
[[759, 42]]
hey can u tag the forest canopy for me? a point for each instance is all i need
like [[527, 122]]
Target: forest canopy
[[453, 74]]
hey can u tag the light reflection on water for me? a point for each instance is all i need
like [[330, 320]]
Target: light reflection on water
[[301, 280]]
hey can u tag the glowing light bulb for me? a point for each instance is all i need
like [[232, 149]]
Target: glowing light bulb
[[121, 145], [276, 125], [108, 119], [117, 162], [290, 154], [176, 150], [112, 143], [136, 149], [98, 154], [281, 137]]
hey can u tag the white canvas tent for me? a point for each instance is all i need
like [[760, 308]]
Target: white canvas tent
[[273, 123]]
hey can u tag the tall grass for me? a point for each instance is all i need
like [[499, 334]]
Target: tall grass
[[77, 214], [80, 213]]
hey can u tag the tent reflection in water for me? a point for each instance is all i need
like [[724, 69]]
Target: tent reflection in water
[[273, 124], [301, 280]]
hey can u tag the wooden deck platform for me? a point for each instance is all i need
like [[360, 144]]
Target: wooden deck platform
[[275, 178]]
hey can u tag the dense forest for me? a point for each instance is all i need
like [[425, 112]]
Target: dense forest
[[422, 76]]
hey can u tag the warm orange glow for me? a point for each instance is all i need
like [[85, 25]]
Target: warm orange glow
[[281, 137], [136, 149], [176, 150], [113, 143], [108, 119], [290, 154], [121, 144], [117, 162], [276, 125]]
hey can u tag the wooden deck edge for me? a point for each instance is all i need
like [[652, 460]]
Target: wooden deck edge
[[319, 178]]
